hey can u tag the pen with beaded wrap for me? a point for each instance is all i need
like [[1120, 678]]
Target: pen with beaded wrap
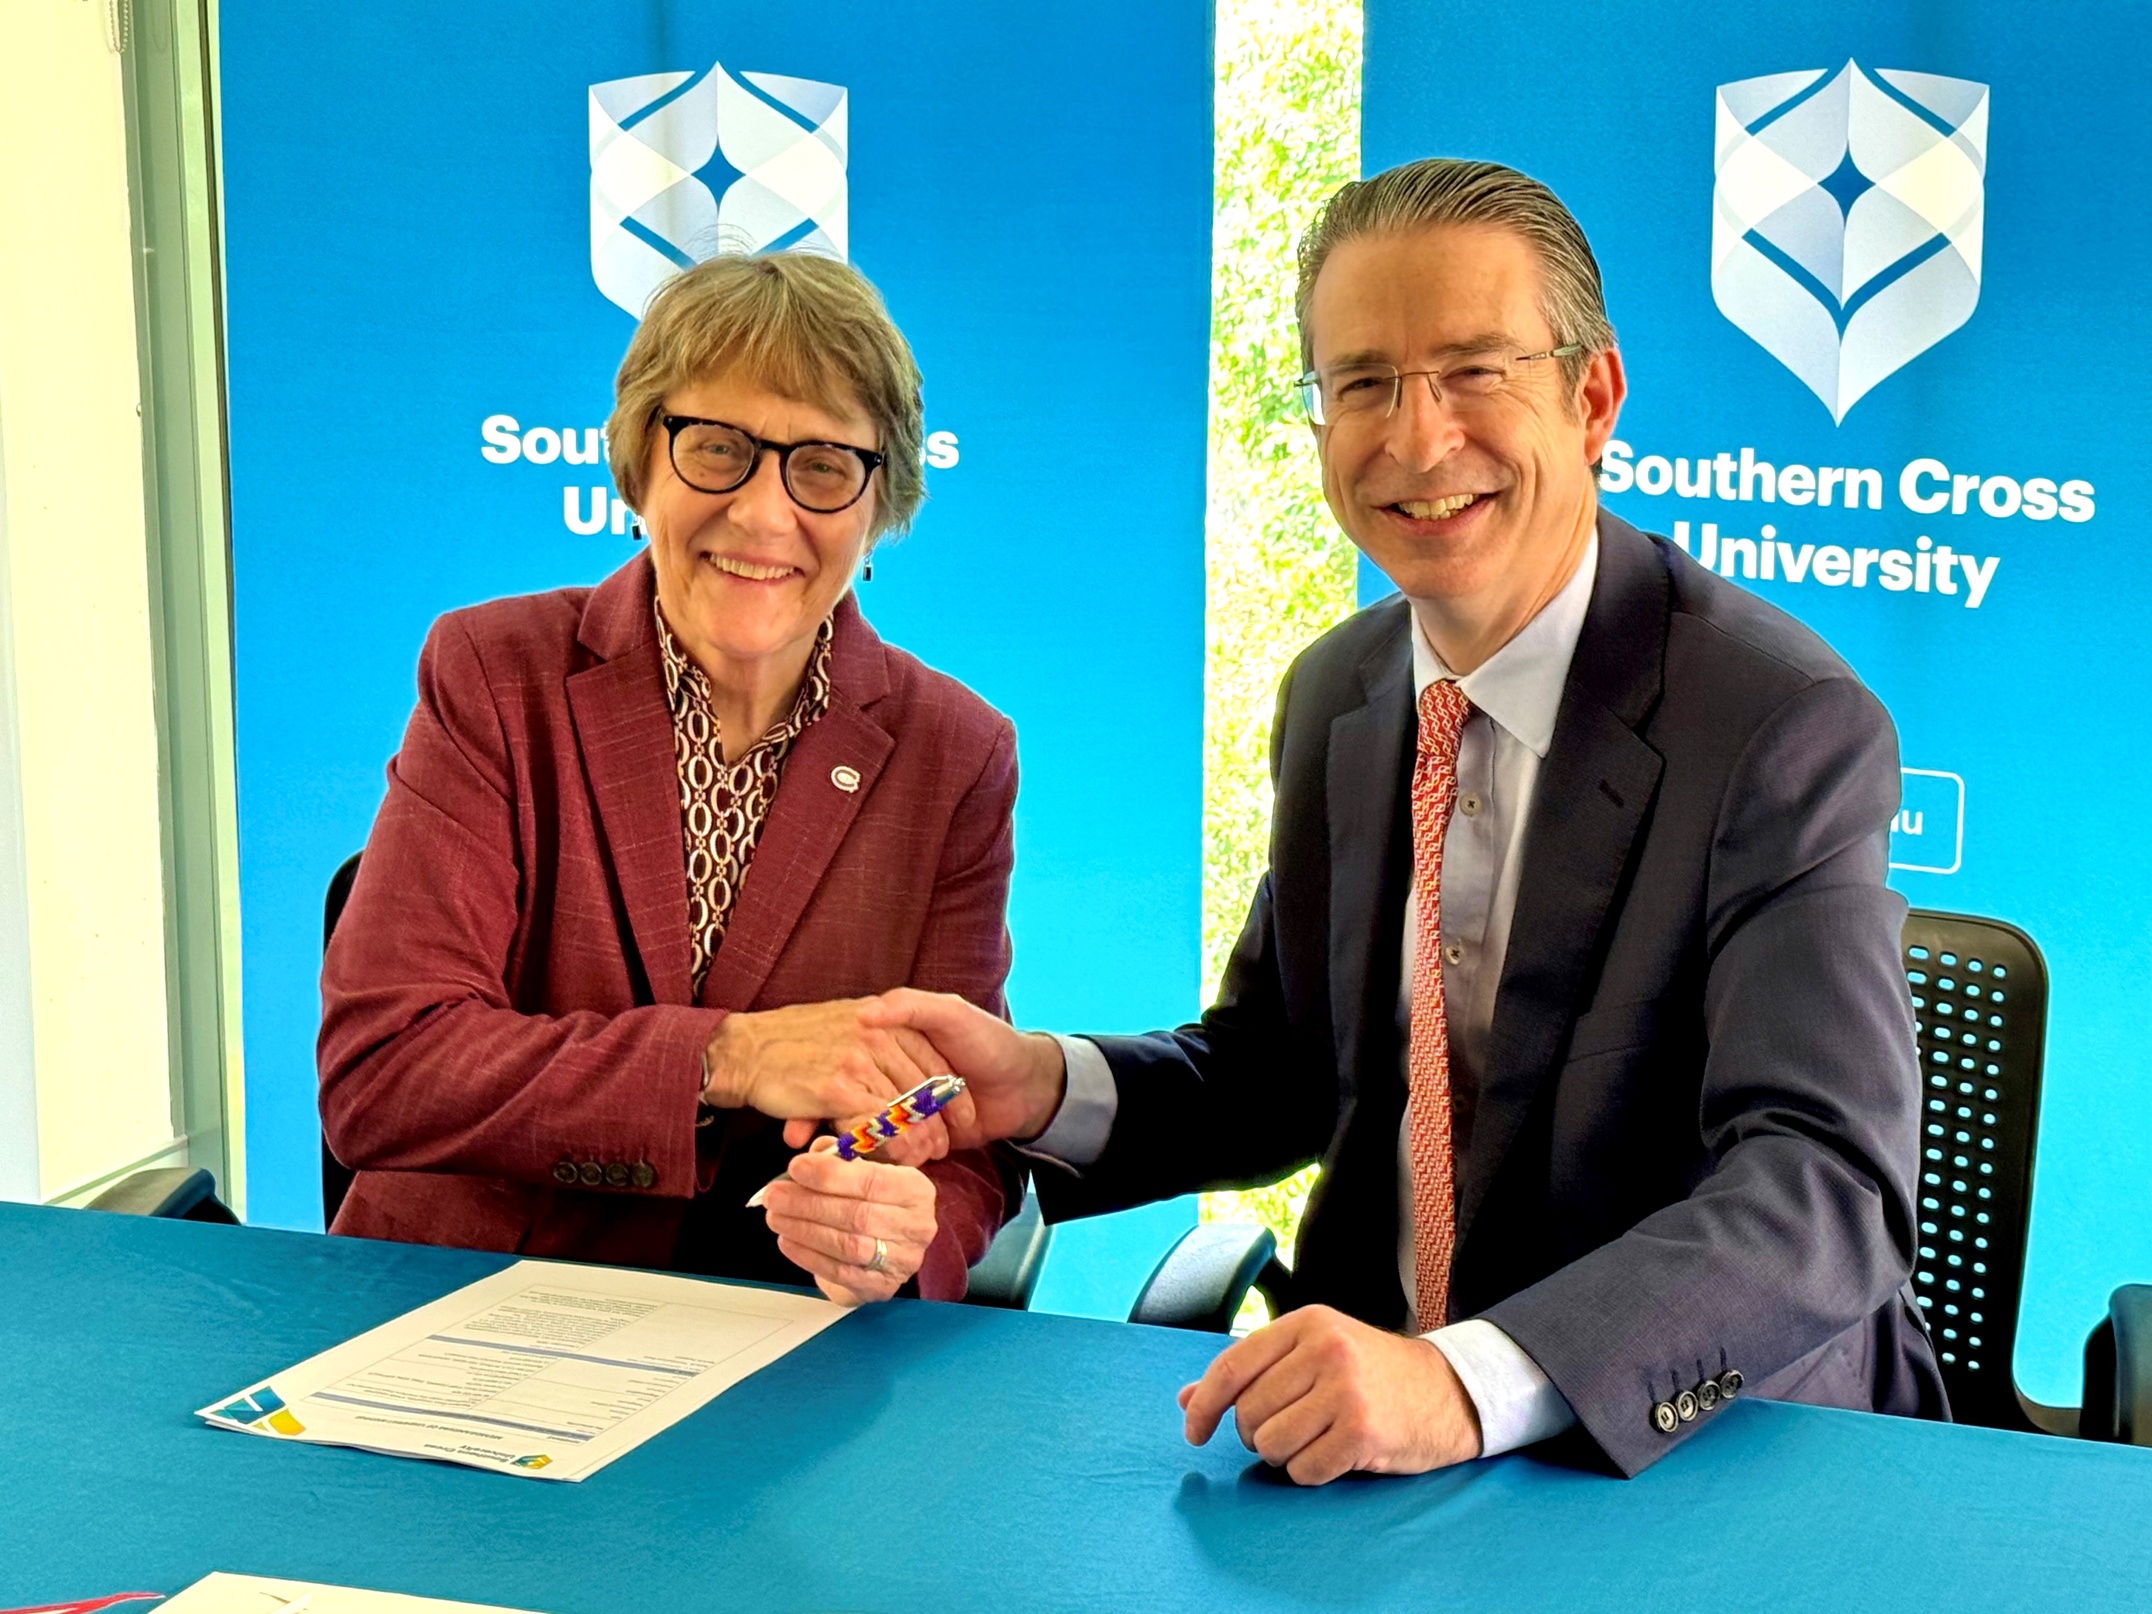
[[930, 1097]]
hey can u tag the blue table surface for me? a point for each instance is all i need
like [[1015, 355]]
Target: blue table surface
[[947, 1458]]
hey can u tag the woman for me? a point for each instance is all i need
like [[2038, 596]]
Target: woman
[[644, 842]]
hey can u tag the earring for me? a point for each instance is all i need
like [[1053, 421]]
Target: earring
[[866, 572]]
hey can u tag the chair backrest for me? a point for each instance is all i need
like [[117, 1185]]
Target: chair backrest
[[1979, 991], [1009, 1271], [180, 1193], [335, 1175], [2118, 1370], [339, 893], [1203, 1279]]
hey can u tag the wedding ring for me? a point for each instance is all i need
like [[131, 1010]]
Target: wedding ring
[[881, 1256]]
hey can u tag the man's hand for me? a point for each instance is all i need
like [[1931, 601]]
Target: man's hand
[[827, 1214], [813, 1061], [1320, 1395], [1015, 1079]]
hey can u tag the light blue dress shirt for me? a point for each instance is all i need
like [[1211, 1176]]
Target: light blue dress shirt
[[1515, 695]]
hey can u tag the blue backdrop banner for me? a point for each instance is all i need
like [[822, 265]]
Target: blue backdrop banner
[[1869, 266], [440, 224]]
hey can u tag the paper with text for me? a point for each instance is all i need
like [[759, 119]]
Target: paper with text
[[251, 1594], [545, 1369]]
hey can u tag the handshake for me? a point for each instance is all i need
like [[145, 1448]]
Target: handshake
[[843, 1061], [858, 1227]]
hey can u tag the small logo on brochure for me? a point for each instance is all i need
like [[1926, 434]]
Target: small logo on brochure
[[654, 141], [1847, 217], [537, 1460]]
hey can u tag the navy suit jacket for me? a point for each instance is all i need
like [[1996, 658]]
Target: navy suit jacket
[[1694, 1145]]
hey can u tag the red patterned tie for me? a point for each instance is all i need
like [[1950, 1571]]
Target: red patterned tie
[[1443, 710]]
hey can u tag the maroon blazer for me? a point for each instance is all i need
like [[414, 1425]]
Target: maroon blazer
[[511, 1046]]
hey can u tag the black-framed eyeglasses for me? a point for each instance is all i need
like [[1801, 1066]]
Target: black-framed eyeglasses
[[714, 456], [1464, 383]]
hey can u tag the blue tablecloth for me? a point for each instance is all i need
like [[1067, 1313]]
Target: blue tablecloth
[[947, 1459]]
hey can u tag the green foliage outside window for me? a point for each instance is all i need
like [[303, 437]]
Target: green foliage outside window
[[1287, 105]]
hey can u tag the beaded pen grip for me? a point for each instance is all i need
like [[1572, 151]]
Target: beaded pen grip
[[928, 1098]]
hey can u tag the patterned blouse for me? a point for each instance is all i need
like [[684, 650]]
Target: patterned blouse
[[723, 804]]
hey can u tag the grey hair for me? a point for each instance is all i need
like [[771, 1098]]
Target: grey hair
[[1436, 191], [808, 327]]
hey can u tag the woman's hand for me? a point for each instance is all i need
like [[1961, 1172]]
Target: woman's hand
[[817, 1061], [831, 1216]]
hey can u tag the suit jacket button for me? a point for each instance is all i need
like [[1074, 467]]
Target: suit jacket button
[[616, 1175], [564, 1171], [1707, 1394], [1729, 1384], [1685, 1406], [643, 1174], [592, 1173], [1664, 1418]]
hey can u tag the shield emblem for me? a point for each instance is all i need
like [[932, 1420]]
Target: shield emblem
[[1846, 219], [655, 141]]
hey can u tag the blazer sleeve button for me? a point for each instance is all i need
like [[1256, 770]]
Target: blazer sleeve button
[[1729, 1384], [592, 1173], [1707, 1394], [564, 1171], [1664, 1418], [643, 1174], [616, 1175], [1685, 1406]]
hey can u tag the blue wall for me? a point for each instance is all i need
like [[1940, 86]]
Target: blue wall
[[409, 253], [2036, 697]]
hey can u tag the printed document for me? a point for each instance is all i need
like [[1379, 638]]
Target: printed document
[[545, 1369], [251, 1594]]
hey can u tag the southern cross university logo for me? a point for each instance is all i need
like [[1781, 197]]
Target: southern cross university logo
[[1846, 221], [652, 137]]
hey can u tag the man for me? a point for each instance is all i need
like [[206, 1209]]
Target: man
[[1574, 963]]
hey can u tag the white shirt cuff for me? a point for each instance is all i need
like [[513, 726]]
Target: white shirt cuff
[[1077, 1135], [1518, 1404]]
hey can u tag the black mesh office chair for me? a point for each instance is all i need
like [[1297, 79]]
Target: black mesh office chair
[[1979, 991], [1005, 1276]]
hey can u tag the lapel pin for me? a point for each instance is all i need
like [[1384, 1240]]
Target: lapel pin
[[844, 778]]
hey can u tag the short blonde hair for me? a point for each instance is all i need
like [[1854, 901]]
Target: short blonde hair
[[1451, 190], [807, 327]]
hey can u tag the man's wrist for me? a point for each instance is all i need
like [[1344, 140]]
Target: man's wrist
[[1046, 1082], [1513, 1401], [1473, 1434]]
